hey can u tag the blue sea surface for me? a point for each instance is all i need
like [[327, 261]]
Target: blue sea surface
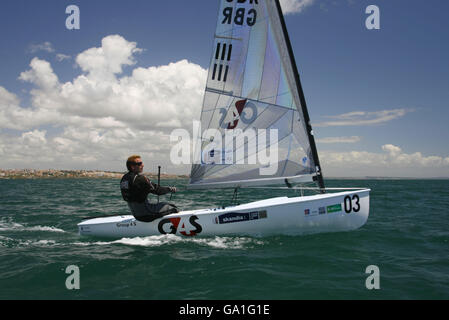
[[406, 237]]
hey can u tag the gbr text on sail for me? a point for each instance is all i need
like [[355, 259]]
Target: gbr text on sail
[[240, 16]]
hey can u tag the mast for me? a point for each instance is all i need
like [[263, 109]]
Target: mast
[[302, 98]]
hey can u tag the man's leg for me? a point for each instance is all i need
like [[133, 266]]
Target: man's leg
[[156, 211], [149, 217], [161, 208]]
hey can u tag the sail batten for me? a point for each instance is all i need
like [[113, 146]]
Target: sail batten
[[253, 91]]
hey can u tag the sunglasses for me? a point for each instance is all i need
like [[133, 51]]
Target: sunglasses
[[138, 163]]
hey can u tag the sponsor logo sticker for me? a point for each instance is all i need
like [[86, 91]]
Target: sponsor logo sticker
[[171, 225], [334, 208], [322, 210], [232, 217]]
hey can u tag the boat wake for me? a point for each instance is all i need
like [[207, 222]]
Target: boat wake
[[150, 241], [162, 240], [13, 226]]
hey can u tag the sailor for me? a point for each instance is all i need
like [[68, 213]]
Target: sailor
[[135, 188]]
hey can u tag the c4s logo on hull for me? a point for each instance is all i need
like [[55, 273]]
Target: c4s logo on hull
[[171, 226]]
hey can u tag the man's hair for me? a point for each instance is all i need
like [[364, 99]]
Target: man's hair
[[131, 160]]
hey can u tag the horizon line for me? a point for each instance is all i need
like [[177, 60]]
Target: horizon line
[[188, 174]]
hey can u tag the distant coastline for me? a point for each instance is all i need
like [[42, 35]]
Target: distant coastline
[[74, 174], [99, 174]]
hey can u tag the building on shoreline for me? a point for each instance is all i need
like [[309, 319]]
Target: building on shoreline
[[52, 173]]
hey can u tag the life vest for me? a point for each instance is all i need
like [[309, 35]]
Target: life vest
[[129, 193]]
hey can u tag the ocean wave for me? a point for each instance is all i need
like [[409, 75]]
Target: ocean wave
[[4, 241], [17, 243], [39, 243], [157, 241], [44, 228], [13, 226]]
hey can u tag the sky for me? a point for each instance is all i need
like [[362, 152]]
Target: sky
[[136, 70]]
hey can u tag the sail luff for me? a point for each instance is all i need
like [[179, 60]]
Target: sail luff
[[302, 99]]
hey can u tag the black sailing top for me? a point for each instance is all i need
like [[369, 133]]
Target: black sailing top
[[135, 187]]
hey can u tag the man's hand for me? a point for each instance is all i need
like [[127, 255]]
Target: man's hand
[[173, 189]]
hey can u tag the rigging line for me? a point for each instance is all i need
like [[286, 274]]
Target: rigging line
[[235, 196]]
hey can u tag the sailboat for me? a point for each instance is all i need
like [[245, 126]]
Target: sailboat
[[253, 90]]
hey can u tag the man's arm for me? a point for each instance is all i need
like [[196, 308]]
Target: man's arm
[[159, 190], [153, 188]]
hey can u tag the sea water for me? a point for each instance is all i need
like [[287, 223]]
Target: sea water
[[406, 237]]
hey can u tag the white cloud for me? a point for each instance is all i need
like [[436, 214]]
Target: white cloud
[[392, 162], [102, 116], [46, 46], [41, 74], [7, 98], [34, 138], [61, 57], [295, 6], [104, 62], [332, 140], [12, 116], [363, 118]]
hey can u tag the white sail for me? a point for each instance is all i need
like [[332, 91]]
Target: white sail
[[253, 90]]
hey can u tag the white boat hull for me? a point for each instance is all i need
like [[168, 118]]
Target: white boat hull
[[333, 212]]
